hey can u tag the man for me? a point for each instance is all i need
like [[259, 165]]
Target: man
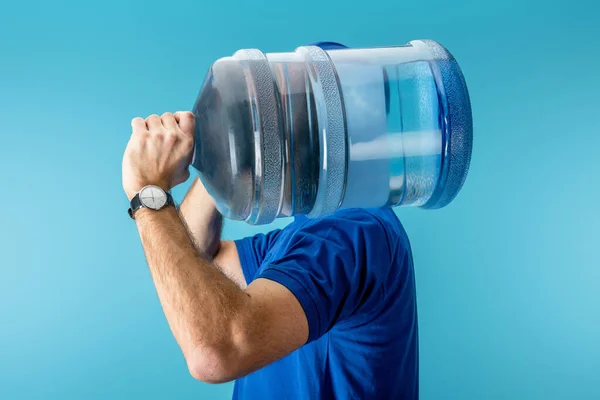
[[324, 308]]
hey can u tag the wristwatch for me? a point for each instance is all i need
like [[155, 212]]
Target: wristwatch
[[152, 197]]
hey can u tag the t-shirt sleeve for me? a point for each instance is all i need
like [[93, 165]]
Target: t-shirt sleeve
[[252, 251], [327, 264]]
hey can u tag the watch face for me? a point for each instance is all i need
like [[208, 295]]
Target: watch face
[[153, 197]]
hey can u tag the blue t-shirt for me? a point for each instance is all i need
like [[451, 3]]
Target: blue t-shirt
[[352, 272]]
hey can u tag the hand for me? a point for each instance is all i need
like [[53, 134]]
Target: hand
[[159, 152]]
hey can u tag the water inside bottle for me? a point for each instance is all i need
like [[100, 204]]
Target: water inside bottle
[[395, 132]]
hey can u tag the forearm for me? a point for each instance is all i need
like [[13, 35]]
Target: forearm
[[201, 304], [202, 218]]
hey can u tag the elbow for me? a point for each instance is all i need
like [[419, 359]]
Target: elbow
[[211, 365]]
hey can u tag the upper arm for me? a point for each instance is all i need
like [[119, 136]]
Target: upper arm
[[272, 322], [316, 279], [274, 326]]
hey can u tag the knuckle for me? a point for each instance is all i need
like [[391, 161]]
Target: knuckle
[[171, 137], [144, 135], [152, 116], [166, 115]]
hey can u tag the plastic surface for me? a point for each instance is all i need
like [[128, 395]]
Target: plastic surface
[[329, 127], [267, 122], [332, 131], [459, 126]]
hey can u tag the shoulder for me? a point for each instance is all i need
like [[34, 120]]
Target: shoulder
[[363, 229], [375, 221]]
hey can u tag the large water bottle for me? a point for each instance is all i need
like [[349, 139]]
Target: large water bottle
[[327, 127]]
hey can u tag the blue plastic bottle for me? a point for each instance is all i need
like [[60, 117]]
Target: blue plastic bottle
[[327, 127]]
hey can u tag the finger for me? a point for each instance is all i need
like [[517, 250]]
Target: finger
[[186, 121], [168, 121], [154, 123], [138, 124]]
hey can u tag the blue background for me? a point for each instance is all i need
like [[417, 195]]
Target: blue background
[[508, 274]]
